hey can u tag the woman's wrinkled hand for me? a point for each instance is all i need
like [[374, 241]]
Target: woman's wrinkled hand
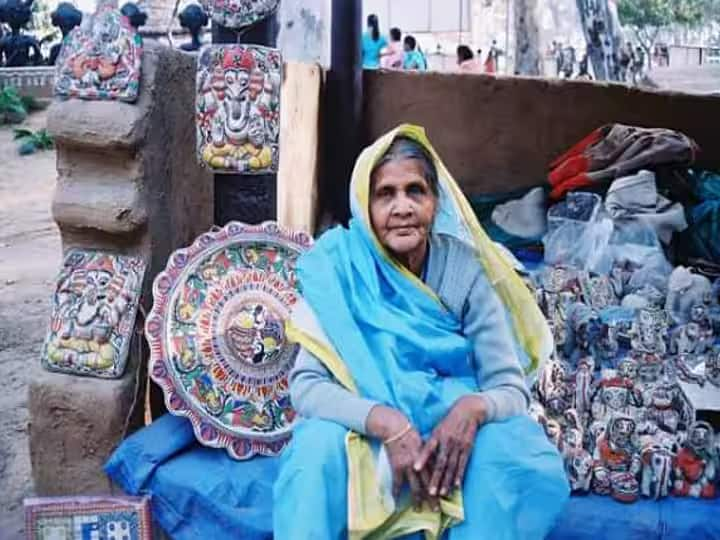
[[403, 450], [447, 452]]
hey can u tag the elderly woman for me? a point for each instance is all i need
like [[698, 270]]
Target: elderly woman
[[414, 332]]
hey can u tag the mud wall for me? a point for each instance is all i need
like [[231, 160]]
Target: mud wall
[[128, 182], [498, 134]]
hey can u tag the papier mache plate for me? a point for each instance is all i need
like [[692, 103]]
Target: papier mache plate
[[217, 336]]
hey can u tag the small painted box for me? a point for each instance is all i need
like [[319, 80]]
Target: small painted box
[[88, 518]]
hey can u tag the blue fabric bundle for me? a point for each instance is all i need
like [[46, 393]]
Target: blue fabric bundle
[[200, 493]]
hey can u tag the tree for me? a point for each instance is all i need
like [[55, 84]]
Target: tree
[[601, 34], [647, 17], [527, 48]]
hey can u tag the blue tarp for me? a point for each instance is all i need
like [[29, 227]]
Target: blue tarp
[[199, 492]]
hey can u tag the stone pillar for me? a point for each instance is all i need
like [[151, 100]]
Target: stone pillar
[[128, 182]]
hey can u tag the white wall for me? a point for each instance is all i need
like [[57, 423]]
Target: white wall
[[420, 16]]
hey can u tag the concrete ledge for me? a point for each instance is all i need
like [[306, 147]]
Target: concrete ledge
[[115, 208], [97, 124], [76, 424]]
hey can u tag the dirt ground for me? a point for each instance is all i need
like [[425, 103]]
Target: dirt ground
[[29, 259]]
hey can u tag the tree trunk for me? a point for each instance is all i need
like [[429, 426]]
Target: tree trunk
[[527, 53], [602, 38]]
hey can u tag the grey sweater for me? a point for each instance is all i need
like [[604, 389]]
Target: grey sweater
[[457, 277]]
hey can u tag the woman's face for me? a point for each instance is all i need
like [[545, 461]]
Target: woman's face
[[402, 207]]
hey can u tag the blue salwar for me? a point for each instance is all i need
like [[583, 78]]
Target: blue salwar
[[514, 484]]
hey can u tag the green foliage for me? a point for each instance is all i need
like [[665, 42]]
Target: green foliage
[[12, 109], [644, 14], [32, 141]]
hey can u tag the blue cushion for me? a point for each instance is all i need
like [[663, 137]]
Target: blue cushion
[[199, 492]]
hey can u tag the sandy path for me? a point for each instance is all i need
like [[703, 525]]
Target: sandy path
[[29, 260]]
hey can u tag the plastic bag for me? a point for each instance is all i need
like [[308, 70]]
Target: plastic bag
[[579, 233]]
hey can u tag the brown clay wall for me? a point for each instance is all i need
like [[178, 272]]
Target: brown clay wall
[[498, 134]]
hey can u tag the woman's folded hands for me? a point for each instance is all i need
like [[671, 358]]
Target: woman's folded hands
[[435, 467]]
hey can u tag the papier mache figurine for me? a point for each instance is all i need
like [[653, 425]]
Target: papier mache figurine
[[691, 342], [66, 17], [648, 332], [712, 367], [134, 14], [613, 397], [194, 18], [18, 49], [685, 290], [665, 408], [598, 291], [657, 454], [617, 460], [558, 289], [583, 332], [696, 464]]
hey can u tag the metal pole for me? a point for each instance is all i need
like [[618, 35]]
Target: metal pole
[[507, 37], [343, 107], [460, 16]]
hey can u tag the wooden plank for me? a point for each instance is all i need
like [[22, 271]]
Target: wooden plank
[[298, 169]]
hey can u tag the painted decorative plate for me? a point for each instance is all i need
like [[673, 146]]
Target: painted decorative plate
[[238, 14], [217, 336]]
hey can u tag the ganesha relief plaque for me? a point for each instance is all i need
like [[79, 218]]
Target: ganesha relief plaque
[[218, 347], [101, 59], [238, 108], [93, 314]]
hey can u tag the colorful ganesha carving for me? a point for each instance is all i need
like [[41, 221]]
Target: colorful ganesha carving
[[94, 310], [238, 108], [101, 59]]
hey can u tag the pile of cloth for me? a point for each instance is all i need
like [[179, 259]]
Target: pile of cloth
[[624, 246], [646, 180]]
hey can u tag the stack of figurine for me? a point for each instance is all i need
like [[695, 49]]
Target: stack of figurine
[[611, 398]]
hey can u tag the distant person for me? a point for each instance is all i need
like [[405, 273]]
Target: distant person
[[492, 60], [626, 58], [568, 61], [372, 43], [392, 56], [583, 73], [466, 60], [638, 67], [557, 52], [414, 60]]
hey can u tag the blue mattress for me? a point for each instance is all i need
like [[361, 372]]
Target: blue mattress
[[198, 492]]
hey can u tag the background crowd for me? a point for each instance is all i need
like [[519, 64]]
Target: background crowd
[[404, 52]]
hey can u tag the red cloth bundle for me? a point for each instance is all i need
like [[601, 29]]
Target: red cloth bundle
[[616, 150]]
